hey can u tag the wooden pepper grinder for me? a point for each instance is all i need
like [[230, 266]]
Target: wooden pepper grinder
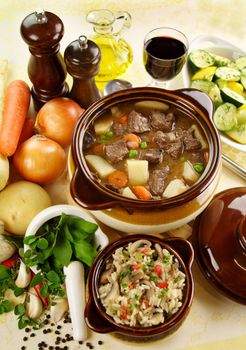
[[42, 31], [82, 58]]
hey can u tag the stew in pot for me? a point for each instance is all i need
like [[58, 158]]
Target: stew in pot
[[147, 150]]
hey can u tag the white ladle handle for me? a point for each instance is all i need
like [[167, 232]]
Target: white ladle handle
[[75, 287]]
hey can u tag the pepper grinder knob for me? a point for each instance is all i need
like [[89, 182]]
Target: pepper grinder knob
[[82, 58], [42, 31]]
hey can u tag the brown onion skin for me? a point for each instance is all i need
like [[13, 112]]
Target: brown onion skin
[[40, 160], [57, 119]]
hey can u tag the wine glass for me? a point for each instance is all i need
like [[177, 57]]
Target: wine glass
[[164, 54]]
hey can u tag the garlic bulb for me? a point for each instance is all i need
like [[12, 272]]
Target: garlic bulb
[[59, 308], [6, 249], [24, 276], [34, 306], [9, 295]]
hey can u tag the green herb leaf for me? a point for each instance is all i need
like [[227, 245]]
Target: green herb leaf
[[18, 291], [44, 290], [42, 243], [38, 278], [85, 252], [19, 309], [4, 272], [62, 250], [53, 277], [5, 306]]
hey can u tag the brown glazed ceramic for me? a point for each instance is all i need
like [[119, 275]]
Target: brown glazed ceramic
[[219, 239], [95, 314], [91, 195]]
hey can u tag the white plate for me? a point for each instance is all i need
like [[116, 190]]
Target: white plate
[[218, 47]]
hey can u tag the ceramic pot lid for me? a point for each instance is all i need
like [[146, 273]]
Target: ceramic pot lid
[[219, 240]]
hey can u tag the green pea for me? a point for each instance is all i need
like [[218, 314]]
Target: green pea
[[199, 167], [132, 153]]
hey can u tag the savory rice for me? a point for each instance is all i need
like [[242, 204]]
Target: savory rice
[[142, 284]]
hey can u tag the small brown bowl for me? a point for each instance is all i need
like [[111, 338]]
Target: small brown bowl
[[95, 314]]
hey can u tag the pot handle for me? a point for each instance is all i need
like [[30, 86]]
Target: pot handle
[[94, 320], [201, 98], [184, 248], [86, 195]]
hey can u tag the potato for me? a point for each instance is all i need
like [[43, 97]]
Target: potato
[[19, 203], [103, 125], [4, 171], [127, 192], [189, 174], [100, 165], [174, 188], [138, 173], [161, 106], [199, 136]]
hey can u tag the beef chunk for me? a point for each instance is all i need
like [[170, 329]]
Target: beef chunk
[[89, 140], [190, 142], [118, 129], [157, 180], [116, 151], [162, 139], [161, 121], [137, 123], [175, 149], [154, 155]]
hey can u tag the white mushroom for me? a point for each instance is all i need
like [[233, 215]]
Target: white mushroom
[[34, 306], [113, 294], [24, 276], [159, 250], [58, 310], [157, 318], [138, 244]]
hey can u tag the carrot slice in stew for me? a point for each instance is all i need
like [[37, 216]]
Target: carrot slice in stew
[[141, 192], [118, 179], [132, 141], [123, 120], [98, 148]]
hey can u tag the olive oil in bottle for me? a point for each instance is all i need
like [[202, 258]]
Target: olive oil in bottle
[[116, 53]]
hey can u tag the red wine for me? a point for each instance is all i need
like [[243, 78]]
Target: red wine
[[164, 57]]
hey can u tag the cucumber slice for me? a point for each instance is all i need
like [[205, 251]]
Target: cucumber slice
[[243, 80], [205, 73], [225, 117], [215, 96], [200, 59], [238, 133], [227, 73], [233, 97], [202, 85], [241, 63], [220, 61]]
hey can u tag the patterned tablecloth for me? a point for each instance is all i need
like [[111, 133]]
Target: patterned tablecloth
[[214, 322]]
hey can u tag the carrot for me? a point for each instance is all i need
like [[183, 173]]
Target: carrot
[[98, 148], [132, 141], [15, 110], [123, 120], [27, 130], [118, 179], [141, 192]]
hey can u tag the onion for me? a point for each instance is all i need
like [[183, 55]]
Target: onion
[[57, 119], [40, 160]]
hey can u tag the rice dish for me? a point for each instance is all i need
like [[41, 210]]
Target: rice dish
[[142, 284]]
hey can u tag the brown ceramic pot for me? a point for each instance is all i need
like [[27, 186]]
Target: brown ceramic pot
[[131, 215], [95, 314], [221, 247]]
